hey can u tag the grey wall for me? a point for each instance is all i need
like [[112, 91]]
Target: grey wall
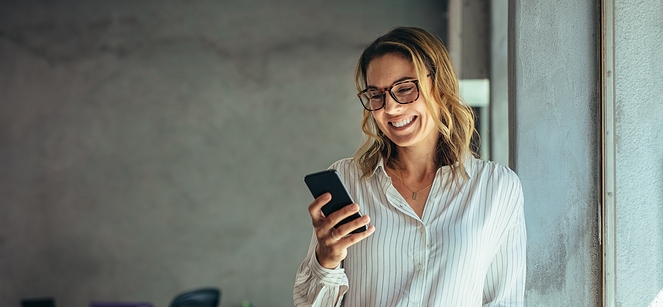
[[499, 81], [554, 107], [152, 147], [639, 152], [555, 149]]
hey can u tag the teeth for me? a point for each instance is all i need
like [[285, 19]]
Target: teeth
[[403, 122]]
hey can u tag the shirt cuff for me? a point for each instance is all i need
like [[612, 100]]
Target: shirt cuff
[[330, 277]]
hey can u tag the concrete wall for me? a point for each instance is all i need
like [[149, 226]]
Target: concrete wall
[[151, 147], [639, 151], [554, 105], [499, 82]]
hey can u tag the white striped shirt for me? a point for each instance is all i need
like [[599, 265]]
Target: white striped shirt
[[467, 249]]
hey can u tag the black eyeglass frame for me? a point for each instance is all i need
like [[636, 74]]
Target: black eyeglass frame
[[388, 89]]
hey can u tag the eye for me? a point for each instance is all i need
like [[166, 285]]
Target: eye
[[404, 89], [374, 95]]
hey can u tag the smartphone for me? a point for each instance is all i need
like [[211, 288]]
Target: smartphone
[[329, 181]]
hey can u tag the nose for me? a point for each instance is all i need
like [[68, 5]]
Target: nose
[[390, 105]]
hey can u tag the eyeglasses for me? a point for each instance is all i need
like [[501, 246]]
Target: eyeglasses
[[403, 92]]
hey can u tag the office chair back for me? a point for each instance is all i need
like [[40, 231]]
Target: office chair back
[[205, 297], [38, 302]]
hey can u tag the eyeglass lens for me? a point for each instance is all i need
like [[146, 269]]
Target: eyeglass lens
[[403, 93]]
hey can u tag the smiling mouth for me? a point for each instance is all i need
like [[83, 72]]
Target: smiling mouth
[[403, 122]]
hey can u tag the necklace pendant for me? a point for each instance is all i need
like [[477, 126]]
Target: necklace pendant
[[414, 195]]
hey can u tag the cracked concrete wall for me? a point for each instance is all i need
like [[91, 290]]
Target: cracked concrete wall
[[151, 147], [553, 88]]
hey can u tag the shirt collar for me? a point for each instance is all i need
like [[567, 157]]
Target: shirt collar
[[469, 166], [379, 168]]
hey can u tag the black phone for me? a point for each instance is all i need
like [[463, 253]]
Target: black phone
[[329, 181]]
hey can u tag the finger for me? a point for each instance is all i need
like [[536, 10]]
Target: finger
[[354, 238], [347, 228], [334, 250], [337, 216], [333, 236], [315, 208], [329, 235]]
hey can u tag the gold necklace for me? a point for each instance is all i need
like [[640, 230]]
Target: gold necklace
[[414, 194]]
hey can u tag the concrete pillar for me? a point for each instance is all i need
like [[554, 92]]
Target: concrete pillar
[[554, 149]]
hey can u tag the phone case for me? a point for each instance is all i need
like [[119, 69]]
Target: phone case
[[329, 181]]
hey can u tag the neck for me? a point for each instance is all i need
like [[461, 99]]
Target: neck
[[418, 165]]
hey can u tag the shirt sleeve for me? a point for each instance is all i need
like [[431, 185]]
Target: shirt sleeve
[[505, 280], [316, 285]]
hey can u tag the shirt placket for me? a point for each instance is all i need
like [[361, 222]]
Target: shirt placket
[[420, 257]]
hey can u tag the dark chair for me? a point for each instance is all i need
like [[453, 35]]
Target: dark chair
[[38, 302], [120, 304], [204, 297]]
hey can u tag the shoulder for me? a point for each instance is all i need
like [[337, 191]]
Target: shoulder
[[501, 186], [497, 176], [347, 168], [343, 164], [490, 170]]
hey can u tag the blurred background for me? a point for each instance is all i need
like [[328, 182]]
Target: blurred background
[[151, 147]]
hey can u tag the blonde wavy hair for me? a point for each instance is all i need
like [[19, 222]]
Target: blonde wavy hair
[[456, 120]]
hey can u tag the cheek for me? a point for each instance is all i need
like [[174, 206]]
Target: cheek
[[382, 125], [429, 120], [376, 117], [432, 115]]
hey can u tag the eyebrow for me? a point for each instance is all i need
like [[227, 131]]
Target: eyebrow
[[399, 80]]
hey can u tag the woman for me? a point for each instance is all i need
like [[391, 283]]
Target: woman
[[446, 229]]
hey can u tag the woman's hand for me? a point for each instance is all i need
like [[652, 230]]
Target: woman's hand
[[333, 242]]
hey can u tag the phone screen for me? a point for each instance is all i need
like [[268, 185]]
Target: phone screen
[[329, 181]]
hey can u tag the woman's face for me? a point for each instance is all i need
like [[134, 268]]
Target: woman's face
[[407, 125]]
